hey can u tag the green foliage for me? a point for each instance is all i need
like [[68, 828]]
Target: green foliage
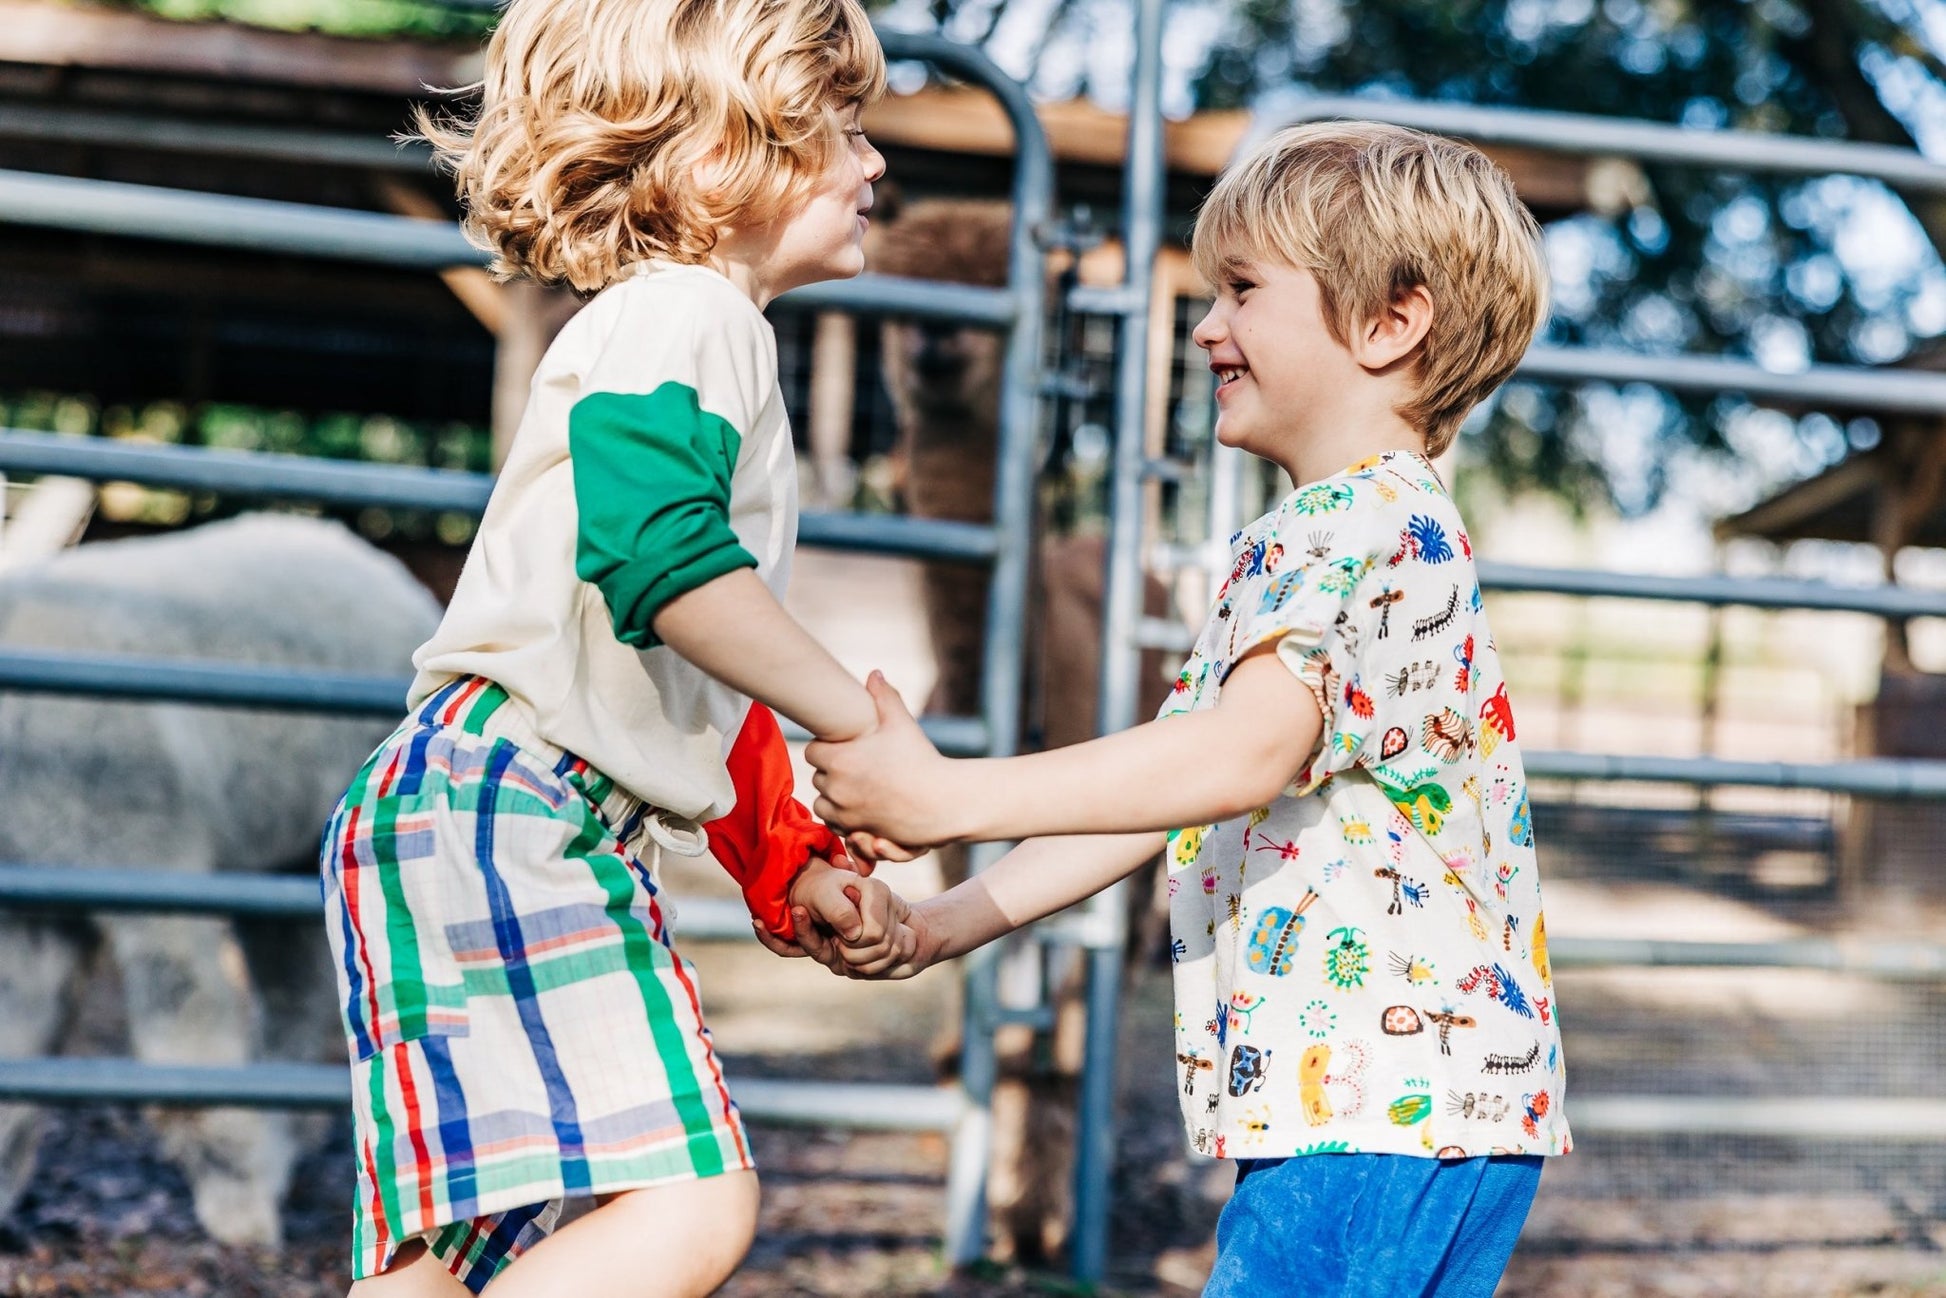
[[408, 19], [1705, 262]]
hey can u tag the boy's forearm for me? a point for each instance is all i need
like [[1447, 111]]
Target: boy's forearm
[[1192, 769], [1034, 880], [735, 630]]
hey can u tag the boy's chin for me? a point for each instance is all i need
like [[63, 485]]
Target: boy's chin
[[847, 264], [1232, 435]]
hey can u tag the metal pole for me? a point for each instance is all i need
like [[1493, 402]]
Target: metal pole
[[1842, 387], [1590, 135], [212, 139], [224, 221], [1142, 199], [282, 1085], [1000, 684], [344, 482]]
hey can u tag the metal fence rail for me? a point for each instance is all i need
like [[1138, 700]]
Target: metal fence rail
[[71, 890], [260, 475], [1591, 135], [241, 685], [328, 1086], [1711, 589]]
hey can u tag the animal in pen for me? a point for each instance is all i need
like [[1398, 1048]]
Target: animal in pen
[[190, 790]]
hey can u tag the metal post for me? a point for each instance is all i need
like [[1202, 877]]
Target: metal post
[[1142, 199], [1000, 683]]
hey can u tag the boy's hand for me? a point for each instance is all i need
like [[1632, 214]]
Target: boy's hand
[[889, 782], [835, 909], [914, 946], [868, 850]]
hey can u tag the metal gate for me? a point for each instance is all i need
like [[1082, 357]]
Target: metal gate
[[237, 223], [1918, 1119]]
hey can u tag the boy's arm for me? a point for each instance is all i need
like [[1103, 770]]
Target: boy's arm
[[652, 477], [1191, 769], [1034, 880], [733, 628], [769, 836]]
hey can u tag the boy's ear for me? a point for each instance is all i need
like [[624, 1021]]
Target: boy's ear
[[1395, 332]]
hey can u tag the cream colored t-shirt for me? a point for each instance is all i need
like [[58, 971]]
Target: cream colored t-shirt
[[653, 456]]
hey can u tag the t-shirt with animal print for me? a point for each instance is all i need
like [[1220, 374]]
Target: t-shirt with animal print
[[1361, 966]]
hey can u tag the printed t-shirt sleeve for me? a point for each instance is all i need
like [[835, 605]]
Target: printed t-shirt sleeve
[[768, 836], [653, 442], [1320, 600]]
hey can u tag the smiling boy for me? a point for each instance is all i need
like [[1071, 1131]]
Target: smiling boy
[[1364, 1005]]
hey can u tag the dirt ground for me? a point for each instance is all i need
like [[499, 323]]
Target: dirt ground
[[859, 1216]]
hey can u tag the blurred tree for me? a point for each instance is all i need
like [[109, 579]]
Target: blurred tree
[[1785, 271]]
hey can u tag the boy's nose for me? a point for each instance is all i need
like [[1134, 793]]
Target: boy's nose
[[1209, 330], [874, 164]]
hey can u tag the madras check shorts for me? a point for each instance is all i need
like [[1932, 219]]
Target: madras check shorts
[[521, 1029]]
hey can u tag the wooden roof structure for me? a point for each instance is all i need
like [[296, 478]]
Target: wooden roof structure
[[1892, 495], [116, 94]]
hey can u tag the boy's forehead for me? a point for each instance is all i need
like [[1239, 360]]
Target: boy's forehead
[[1240, 258]]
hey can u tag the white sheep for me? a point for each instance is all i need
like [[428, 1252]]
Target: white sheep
[[170, 786]]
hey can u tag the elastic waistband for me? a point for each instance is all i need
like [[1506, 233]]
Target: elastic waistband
[[475, 705]]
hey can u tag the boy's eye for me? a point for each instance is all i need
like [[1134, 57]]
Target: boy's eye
[[1241, 286]]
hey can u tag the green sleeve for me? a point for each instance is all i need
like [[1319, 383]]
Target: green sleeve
[[652, 487]]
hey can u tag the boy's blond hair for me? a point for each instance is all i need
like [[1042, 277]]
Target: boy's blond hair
[[1373, 210], [599, 120]]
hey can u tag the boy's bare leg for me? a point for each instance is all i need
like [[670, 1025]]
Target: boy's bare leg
[[414, 1273], [668, 1241]]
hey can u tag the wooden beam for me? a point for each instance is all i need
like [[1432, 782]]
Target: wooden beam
[[834, 371], [87, 36], [50, 517], [954, 119], [1792, 508], [473, 287]]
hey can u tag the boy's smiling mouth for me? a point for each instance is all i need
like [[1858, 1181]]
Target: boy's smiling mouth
[[1228, 374]]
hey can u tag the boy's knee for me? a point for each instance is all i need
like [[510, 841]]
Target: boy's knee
[[715, 1219], [729, 1207], [739, 1220]]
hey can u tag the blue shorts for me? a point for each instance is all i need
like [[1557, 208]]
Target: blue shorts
[[1371, 1226]]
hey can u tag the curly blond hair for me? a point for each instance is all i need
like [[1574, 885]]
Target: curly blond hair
[[598, 120], [1373, 210]]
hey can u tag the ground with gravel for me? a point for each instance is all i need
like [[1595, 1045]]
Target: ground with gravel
[[859, 1215]]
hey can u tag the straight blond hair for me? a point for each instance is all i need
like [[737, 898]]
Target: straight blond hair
[[1372, 211], [610, 132]]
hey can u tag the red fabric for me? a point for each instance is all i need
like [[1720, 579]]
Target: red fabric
[[769, 835]]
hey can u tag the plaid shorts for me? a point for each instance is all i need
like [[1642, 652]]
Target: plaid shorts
[[520, 1028]]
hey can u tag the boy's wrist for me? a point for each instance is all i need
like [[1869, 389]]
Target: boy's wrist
[[963, 802], [806, 874], [851, 722], [926, 921]]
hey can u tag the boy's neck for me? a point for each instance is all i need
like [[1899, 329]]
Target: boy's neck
[[1340, 444]]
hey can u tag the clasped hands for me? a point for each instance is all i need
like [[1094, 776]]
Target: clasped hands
[[886, 791]]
